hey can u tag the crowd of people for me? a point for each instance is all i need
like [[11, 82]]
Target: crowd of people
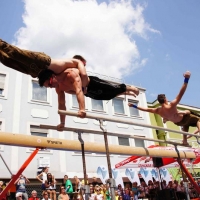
[[97, 190]]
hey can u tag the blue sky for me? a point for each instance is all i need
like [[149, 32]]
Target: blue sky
[[146, 43]]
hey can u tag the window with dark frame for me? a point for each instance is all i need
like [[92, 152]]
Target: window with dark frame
[[123, 141], [118, 106], [139, 143], [97, 105], [2, 83], [38, 93], [37, 131]]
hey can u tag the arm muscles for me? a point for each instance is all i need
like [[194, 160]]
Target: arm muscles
[[61, 103], [151, 110], [77, 84], [180, 95]]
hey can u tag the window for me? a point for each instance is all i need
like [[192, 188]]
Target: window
[[2, 84], [133, 111], [37, 131], [97, 105], [139, 143], [38, 93], [74, 101], [123, 141], [118, 106]]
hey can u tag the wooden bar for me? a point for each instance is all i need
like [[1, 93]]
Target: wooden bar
[[24, 140], [119, 120]]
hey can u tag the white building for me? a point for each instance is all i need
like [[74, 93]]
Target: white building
[[24, 106]]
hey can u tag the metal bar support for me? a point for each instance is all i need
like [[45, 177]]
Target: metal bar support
[[184, 179], [111, 181], [6, 164], [86, 186]]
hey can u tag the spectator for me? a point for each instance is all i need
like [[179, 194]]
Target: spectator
[[83, 182], [68, 187], [19, 196], [135, 190], [132, 196], [50, 186], [151, 190], [108, 197], [63, 195], [80, 196], [181, 191], [97, 187], [94, 181], [34, 196], [21, 186], [120, 198], [45, 195], [98, 195], [126, 195], [120, 190], [170, 185], [42, 177], [143, 190], [164, 184], [92, 194], [175, 184], [2, 186], [77, 184], [116, 195], [103, 190]]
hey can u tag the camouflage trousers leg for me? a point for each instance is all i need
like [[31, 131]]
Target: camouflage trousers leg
[[27, 62]]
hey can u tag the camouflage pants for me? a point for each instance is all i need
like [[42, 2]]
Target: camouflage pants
[[27, 62]]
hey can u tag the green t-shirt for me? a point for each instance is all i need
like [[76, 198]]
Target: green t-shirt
[[68, 186], [108, 197]]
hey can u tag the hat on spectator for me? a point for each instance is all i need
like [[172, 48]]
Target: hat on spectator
[[18, 194]]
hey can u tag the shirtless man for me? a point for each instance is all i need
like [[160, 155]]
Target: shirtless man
[[33, 63], [168, 110], [70, 82]]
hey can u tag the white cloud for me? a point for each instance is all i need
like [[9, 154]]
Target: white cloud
[[102, 32]]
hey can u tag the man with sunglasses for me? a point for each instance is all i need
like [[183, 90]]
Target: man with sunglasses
[[34, 195], [33, 63], [70, 82], [169, 112]]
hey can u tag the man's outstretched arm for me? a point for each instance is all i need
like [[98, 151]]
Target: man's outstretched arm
[[151, 110], [187, 75], [61, 106]]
